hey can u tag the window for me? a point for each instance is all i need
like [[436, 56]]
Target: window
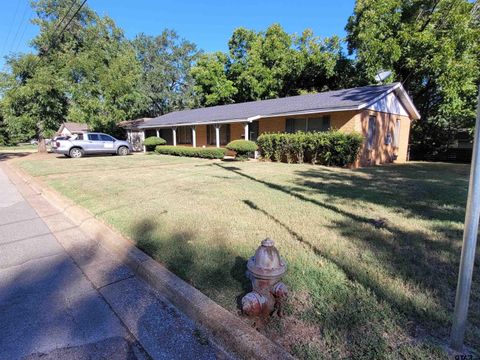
[[372, 129], [224, 134], [184, 135], [310, 124], [294, 125], [396, 134], [319, 124], [93, 137], [104, 137]]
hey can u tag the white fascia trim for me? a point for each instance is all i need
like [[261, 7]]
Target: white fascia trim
[[306, 112], [193, 124], [402, 94]]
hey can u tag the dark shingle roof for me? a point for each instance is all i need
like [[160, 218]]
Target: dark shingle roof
[[344, 99]]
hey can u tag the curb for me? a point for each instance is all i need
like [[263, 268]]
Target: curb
[[228, 330]]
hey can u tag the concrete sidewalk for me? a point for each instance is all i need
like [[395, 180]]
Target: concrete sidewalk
[[63, 295]]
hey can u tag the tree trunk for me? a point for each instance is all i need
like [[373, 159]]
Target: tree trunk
[[42, 147]]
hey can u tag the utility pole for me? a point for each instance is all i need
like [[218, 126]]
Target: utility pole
[[470, 234]]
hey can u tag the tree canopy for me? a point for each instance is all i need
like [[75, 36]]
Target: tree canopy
[[269, 64], [433, 48], [166, 79]]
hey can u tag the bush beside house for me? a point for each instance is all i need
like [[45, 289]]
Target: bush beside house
[[153, 141], [243, 148], [331, 148], [207, 153]]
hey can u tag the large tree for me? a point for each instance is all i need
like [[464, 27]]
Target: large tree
[[34, 100], [166, 63], [432, 47], [212, 85], [86, 73], [270, 64]]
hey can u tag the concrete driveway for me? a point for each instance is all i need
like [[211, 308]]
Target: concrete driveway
[[62, 295]]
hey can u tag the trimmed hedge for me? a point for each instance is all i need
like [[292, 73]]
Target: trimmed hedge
[[207, 153], [331, 148], [153, 141], [243, 148]]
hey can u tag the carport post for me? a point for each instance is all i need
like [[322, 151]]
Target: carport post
[[246, 131], [470, 234], [174, 135], [158, 133], [194, 136], [217, 135]]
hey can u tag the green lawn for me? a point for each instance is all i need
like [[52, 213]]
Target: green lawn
[[19, 148], [358, 290]]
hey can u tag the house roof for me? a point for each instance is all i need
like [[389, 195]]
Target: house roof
[[72, 126], [338, 100], [128, 124]]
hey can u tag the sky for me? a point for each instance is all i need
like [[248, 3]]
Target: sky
[[208, 23]]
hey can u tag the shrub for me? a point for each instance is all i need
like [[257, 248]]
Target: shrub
[[332, 148], [207, 153], [243, 148], [151, 142]]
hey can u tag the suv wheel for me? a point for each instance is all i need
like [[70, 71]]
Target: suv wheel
[[76, 153], [122, 151]]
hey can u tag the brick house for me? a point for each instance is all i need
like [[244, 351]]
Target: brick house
[[381, 113]]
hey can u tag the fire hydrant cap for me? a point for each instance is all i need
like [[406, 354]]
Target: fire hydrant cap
[[267, 263]]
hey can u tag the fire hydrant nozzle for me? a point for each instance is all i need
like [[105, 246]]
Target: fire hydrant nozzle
[[265, 269]]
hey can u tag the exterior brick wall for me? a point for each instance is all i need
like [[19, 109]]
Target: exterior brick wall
[[381, 152], [236, 131], [271, 125], [201, 132], [343, 120]]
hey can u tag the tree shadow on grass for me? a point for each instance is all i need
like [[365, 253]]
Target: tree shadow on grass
[[5, 156], [359, 273], [429, 191], [210, 268], [408, 255]]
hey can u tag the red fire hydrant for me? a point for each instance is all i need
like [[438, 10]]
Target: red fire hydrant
[[265, 270]]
